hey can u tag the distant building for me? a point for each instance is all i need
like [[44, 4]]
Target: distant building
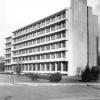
[[61, 42]]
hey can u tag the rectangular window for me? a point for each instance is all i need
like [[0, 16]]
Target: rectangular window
[[63, 44], [42, 57], [47, 21], [48, 47], [53, 37], [63, 55], [52, 66], [47, 29], [52, 28], [38, 57], [52, 55], [48, 38], [34, 67], [58, 45], [47, 66], [53, 19], [38, 67], [52, 46], [58, 55], [42, 48], [58, 35], [58, 66], [38, 49], [47, 56]]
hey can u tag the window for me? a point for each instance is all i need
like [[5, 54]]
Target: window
[[38, 49], [48, 66], [65, 66], [38, 67], [63, 54], [52, 28], [53, 37], [48, 38], [42, 48], [42, 39], [42, 67], [63, 34], [52, 66], [63, 44], [38, 57], [52, 55], [58, 55], [58, 35], [58, 17], [47, 56], [48, 47], [63, 25], [47, 29], [42, 57], [34, 67], [52, 46], [38, 40], [58, 45], [63, 15], [47, 21], [58, 26], [30, 67], [58, 66], [53, 19], [43, 23]]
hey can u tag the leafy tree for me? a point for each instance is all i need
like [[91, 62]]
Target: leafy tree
[[18, 69]]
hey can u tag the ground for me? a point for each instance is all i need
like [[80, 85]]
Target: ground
[[62, 92]]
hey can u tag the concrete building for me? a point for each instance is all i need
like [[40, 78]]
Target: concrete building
[[61, 42]]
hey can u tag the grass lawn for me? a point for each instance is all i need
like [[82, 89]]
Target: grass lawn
[[21, 78]]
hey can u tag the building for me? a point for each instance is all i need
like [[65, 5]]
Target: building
[[61, 42], [8, 54]]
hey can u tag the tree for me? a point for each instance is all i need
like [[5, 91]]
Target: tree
[[18, 69]]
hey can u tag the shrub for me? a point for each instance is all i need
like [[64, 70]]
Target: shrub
[[89, 75], [95, 73], [32, 76], [43, 76], [55, 77], [18, 69], [86, 75]]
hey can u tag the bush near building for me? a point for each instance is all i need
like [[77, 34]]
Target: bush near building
[[89, 75], [55, 77]]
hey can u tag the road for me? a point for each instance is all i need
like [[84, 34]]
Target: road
[[56, 92]]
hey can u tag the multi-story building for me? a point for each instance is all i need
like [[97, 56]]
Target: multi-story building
[[8, 54], [61, 42]]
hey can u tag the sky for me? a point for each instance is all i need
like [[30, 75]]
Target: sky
[[15, 14]]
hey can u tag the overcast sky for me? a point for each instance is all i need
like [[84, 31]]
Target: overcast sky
[[17, 13]]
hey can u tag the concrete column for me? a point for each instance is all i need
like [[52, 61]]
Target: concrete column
[[56, 67], [61, 66]]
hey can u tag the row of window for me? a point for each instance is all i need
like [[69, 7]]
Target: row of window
[[8, 39], [8, 55], [41, 40], [41, 56], [8, 61], [41, 48], [41, 24], [8, 50], [40, 32], [8, 45]]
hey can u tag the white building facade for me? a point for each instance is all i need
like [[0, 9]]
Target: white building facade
[[61, 42]]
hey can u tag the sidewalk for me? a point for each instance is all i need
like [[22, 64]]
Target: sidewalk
[[51, 84]]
